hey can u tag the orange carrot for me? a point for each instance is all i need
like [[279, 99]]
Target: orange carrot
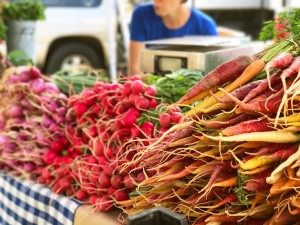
[[220, 75], [186, 171], [275, 189]]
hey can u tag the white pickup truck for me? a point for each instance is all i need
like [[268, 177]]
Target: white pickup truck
[[76, 33]]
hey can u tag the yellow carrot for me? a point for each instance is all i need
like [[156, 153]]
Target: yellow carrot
[[200, 96], [267, 136], [255, 162]]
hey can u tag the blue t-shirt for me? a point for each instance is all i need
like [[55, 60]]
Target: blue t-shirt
[[147, 26]]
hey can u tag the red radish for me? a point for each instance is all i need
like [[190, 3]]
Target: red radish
[[104, 181], [141, 177], [129, 119], [141, 103], [174, 109], [176, 117], [37, 85], [108, 152], [65, 182], [108, 169], [120, 195], [135, 132], [152, 103], [116, 181], [46, 173], [80, 108], [93, 198], [132, 97], [35, 72], [49, 157], [127, 89], [57, 188], [104, 204], [111, 190], [165, 120], [89, 97], [137, 86], [150, 91], [57, 147], [16, 111], [129, 181], [147, 128], [93, 178], [81, 195]]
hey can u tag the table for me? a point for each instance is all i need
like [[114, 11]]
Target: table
[[25, 202]]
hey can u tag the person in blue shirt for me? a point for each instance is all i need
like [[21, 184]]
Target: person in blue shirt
[[161, 19]]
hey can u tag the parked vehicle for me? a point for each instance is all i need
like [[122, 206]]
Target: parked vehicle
[[74, 33]]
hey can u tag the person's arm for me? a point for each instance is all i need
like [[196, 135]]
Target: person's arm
[[135, 50]]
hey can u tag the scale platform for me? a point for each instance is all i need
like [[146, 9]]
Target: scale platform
[[192, 52]]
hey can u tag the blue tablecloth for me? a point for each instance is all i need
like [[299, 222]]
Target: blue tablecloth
[[24, 202]]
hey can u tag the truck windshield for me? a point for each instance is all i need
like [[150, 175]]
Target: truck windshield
[[71, 3]]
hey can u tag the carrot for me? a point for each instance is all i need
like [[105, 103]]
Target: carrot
[[269, 105], [258, 183], [200, 96], [255, 125], [275, 188], [256, 170], [232, 120], [217, 108], [229, 198], [283, 154], [279, 61], [250, 72], [267, 136], [186, 171], [231, 182], [255, 162], [263, 86], [290, 71], [224, 218], [277, 173], [220, 75], [222, 167], [271, 148], [290, 184], [240, 93], [253, 144]]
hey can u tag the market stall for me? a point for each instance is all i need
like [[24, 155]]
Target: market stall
[[220, 147]]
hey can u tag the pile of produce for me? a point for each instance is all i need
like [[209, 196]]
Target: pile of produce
[[224, 151], [32, 118], [235, 159]]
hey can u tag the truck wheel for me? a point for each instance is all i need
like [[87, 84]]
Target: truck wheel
[[73, 55]]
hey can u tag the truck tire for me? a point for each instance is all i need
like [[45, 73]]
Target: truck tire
[[73, 53]]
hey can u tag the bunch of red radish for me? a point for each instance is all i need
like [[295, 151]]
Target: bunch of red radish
[[113, 122], [32, 119]]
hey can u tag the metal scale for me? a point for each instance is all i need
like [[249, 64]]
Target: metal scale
[[192, 52]]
